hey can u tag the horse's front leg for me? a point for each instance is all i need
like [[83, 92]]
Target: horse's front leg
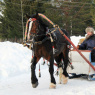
[[34, 79], [51, 71]]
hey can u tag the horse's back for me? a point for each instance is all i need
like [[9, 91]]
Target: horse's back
[[60, 39]]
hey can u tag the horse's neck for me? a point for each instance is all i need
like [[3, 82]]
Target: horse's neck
[[39, 37], [42, 33]]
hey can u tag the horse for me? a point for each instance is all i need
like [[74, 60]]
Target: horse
[[43, 47]]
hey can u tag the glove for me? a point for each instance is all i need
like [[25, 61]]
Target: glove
[[77, 46]]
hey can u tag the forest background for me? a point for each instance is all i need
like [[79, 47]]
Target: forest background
[[72, 15]]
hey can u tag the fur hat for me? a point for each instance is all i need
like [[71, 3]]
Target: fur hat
[[89, 29]]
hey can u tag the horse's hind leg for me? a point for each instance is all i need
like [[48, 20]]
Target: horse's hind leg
[[34, 80], [63, 75], [65, 58], [51, 71], [58, 59]]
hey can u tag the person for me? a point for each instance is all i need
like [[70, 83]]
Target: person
[[89, 42]]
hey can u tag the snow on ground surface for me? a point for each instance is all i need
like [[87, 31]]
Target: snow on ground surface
[[15, 74]]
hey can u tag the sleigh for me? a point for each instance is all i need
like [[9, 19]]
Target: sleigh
[[80, 66]]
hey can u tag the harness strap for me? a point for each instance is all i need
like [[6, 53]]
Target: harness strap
[[40, 42]]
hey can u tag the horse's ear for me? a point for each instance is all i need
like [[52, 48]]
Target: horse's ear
[[27, 16]]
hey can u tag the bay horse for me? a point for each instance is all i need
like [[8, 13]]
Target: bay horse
[[42, 47]]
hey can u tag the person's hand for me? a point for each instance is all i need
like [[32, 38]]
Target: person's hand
[[94, 48], [77, 46]]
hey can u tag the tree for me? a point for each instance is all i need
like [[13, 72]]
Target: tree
[[93, 13], [12, 16], [72, 15], [11, 19], [76, 16]]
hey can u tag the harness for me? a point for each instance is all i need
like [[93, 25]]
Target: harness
[[41, 42], [49, 35], [26, 30], [32, 41]]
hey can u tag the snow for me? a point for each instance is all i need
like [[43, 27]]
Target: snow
[[15, 76], [75, 39], [14, 59]]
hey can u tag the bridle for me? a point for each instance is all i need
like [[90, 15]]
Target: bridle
[[28, 32]]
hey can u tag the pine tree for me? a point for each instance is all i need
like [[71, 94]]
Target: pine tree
[[72, 15], [11, 19], [93, 12], [77, 16]]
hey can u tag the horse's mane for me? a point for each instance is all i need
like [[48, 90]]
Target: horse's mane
[[42, 22]]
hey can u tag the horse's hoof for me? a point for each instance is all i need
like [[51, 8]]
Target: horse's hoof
[[52, 86], [65, 79], [35, 85]]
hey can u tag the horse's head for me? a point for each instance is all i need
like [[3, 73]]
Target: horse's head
[[35, 26]]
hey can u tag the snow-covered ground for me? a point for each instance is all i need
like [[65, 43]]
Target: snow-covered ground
[[15, 74]]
